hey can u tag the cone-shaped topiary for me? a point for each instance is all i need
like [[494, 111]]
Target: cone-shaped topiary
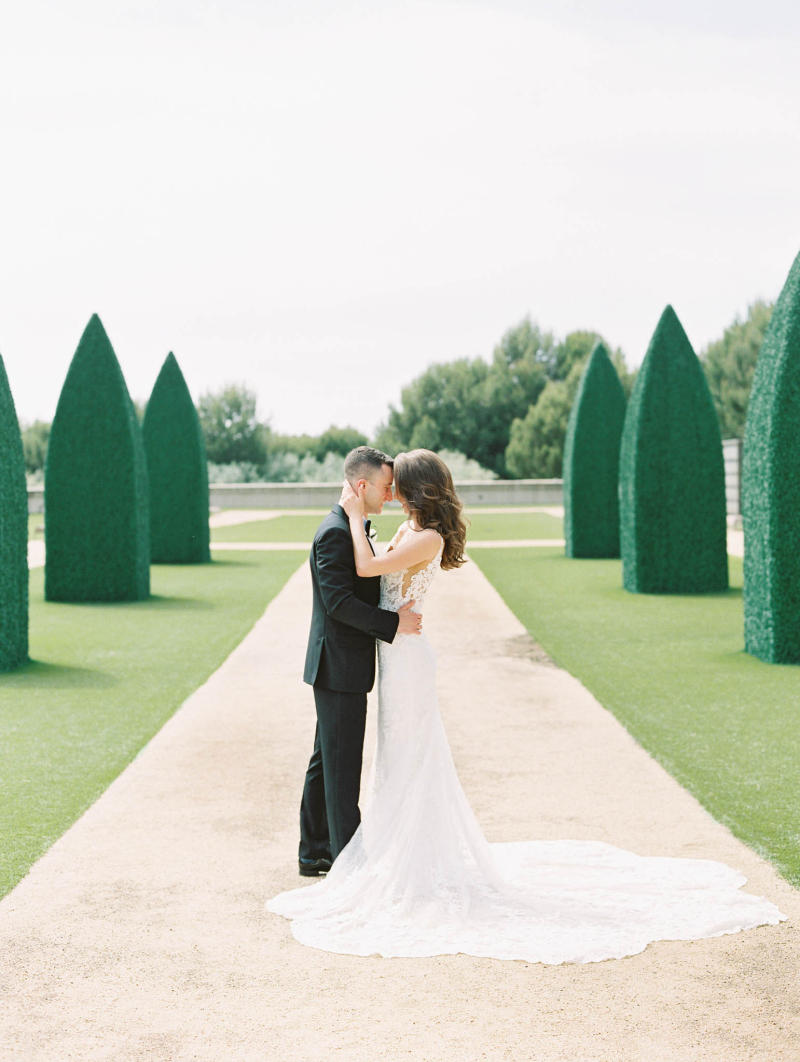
[[177, 470], [671, 475], [591, 460], [97, 525], [771, 488], [13, 535]]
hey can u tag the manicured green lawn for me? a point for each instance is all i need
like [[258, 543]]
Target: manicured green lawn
[[104, 679], [35, 520], [301, 527], [514, 525], [673, 670]]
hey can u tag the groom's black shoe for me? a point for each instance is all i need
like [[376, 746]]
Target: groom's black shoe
[[312, 868]]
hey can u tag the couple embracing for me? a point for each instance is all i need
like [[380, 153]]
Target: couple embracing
[[416, 876]]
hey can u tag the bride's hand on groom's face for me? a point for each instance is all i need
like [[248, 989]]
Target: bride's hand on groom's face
[[352, 503]]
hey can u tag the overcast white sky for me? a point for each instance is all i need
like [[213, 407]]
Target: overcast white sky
[[322, 198]]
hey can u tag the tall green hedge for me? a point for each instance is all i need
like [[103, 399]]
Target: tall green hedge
[[13, 535], [178, 472], [97, 525], [671, 477], [591, 460], [771, 488]]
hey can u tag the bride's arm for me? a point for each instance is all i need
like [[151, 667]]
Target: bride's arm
[[417, 547]]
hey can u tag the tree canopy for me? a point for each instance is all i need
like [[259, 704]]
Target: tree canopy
[[536, 441], [34, 444], [729, 364], [470, 405], [231, 429]]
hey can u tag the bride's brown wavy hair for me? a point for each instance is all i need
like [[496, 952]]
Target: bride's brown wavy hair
[[423, 479]]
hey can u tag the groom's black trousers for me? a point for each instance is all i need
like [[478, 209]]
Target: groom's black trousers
[[329, 814]]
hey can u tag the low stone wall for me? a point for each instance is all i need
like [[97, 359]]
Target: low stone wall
[[323, 495], [732, 455]]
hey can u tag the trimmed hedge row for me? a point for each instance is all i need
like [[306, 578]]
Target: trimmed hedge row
[[672, 477], [97, 526], [177, 470], [591, 460], [771, 488], [13, 535]]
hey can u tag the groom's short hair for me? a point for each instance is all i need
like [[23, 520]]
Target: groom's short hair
[[364, 461]]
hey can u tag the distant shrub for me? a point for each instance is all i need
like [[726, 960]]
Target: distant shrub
[[464, 468], [13, 535], [290, 468], [231, 429], [34, 445], [177, 472], [591, 460], [771, 488], [671, 475], [97, 526], [235, 472]]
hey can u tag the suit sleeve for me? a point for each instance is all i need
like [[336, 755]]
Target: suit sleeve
[[335, 574]]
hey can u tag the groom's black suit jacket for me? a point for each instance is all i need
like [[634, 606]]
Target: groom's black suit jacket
[[345, 620]]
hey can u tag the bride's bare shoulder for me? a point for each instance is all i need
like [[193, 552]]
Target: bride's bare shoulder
[[407, 534]]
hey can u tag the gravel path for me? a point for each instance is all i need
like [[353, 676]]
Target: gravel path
[[141, 934]]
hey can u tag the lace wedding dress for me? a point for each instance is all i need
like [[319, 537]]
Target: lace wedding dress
[[418, 877]]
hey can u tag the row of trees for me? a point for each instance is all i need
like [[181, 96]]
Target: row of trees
[[483, 409], [243, 449], [511, 413], [507, 415], [240, 448], [119, 495], [234, 434], [647, 482]]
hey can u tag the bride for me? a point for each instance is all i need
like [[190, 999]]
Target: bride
[[418, 878]]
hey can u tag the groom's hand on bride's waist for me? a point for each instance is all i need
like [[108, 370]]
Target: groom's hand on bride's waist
[[410, 622]]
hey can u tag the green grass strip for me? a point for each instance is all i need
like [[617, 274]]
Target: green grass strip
[[673, 670], [104, 679], [301, 528]]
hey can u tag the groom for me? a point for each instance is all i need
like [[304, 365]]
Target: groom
[[340, 665]]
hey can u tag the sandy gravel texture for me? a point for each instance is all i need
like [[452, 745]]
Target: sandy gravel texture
[[141, 934]]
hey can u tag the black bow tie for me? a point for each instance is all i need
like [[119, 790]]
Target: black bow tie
[[367, 525]]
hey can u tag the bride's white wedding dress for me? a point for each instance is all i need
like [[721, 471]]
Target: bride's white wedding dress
[[419, 878]]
